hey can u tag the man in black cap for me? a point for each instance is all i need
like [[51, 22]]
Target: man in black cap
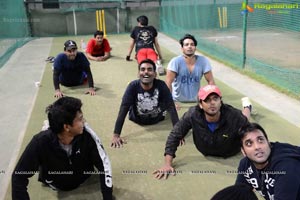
[[71, 68]]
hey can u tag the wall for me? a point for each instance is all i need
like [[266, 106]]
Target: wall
[[120, 19]]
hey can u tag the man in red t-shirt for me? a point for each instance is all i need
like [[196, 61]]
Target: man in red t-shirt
[[98, 48]]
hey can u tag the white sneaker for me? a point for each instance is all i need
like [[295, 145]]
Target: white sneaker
[[45, 125], [160, 69], [247, 103]]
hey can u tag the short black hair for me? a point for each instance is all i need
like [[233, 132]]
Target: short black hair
[[249, 127], [98, 33], [143, 20], [148, 61], [188, 36], [63, 111]]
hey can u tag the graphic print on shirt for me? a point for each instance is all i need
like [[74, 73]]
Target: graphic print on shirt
[[145, 38], [147, 104], [189, 80], [267, 182]]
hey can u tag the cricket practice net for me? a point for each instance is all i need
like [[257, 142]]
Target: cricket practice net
[[258, 37]]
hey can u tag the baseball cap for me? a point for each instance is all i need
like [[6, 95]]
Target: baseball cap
[[70, 44], [207, 90]]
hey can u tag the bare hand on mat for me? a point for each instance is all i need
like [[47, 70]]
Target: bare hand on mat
[[164, 172], [117, 141], [58, 93], [91, 91]]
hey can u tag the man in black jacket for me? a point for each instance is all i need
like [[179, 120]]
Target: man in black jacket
[[270, 168], [64, 155], [215, 128]]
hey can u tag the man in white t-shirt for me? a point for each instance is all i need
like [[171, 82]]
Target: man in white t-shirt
[[184, 72]]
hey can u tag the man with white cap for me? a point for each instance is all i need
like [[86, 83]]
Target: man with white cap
[[214, 127]]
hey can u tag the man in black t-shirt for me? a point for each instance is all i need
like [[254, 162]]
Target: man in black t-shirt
[[144, 38], [146, 100]]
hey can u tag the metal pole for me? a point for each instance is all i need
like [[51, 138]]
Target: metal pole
[[118, 20], [103, 22], [75, 23], [245, 35], [97, 20]]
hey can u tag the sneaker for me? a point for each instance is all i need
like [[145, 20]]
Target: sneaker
[[45, 125], [246, 103], [82, 45], [160, 69], [50, 59]]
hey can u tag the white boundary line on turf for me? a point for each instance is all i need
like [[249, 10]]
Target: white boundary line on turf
[[6, 179]]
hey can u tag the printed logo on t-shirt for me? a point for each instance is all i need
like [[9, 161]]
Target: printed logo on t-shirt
[[147, 104], [145, 38], [267, 183], [189, 80]]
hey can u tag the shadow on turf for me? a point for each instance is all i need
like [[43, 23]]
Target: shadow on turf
[[91, 190], [101, 89]]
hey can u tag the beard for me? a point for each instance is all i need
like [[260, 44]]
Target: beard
[[189, 53], [71, 57], [263, 164], [259, 163], [212, 113]]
